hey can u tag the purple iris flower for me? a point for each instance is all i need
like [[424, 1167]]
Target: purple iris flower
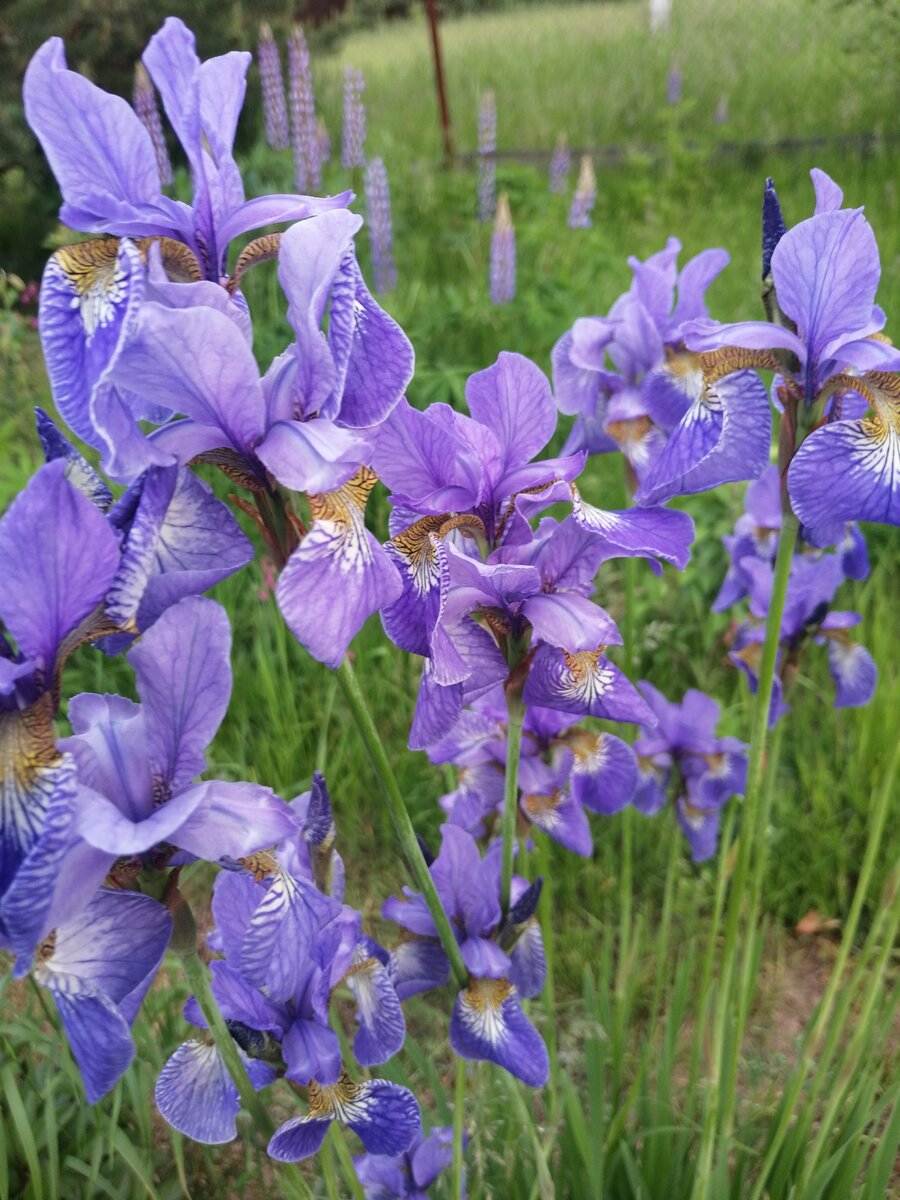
[[58, 558], [812, 584], [562, 771], [506, 958], [473, 485], [137, 763], [707, 770], [104, 162], [629, 383], [407, 1176], [824, 342], [756, 537], [287, 946], [98, 967], [306, 421]]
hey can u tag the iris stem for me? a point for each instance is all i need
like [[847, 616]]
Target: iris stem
[[459, 1100], [515, 716], [750, 831], [352, 692], [345, 1158], [545, 910], [197, 976]]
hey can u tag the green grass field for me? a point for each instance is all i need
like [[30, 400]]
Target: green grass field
[[625, 1019]]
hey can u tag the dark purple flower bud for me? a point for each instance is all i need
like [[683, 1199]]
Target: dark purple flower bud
[[560, 164], [304, 132], [274, 106], [144, 99], [503, 255], [585, 195], [773, 227], [487, 149], [354, 133], [378, 213]]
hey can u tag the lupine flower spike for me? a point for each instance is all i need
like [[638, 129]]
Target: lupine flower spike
[[673, 84], [503, 255], [324, 141], [353, 143], [304, 132], [487, 150], [585, 195], [146, 107], [560, 164], [378, 213], [274, 107]]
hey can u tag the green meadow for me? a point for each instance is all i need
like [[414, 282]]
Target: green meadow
[[634, 963]]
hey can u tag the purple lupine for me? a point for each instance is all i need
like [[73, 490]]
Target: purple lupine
[[304, 132], [274, 107], [146, 107], [673, 84], [378, 214], [585, 196], [487, 157], [503, 255], [324, 141], [560, 165], [824, 273], [708, 770], [721, 113], [353, 139]]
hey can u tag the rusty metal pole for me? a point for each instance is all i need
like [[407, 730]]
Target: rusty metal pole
[[440, 82]]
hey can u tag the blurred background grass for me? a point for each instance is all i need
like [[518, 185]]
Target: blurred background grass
[[785, 70]]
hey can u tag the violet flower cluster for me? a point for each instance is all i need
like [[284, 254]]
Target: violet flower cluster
[[487, 157], [502, 272], [353, 138], [585, 195], [272, 81], [809, 619], [302, 105], [378, 214], [148, 346]]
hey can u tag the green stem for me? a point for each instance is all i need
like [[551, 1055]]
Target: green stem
[[352, 692], [345, 1158], [628, 625], [197, 978], [328, 1171], [753, 800], [545, 909], [459, 1100], [515, 711]]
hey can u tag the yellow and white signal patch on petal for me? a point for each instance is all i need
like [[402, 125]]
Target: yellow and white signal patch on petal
[[339, 521], [481, 1009], [30, 773], [90, 295]]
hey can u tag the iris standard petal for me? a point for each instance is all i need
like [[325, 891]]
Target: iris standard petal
[[312, 456], [181, 542], [184, 682], [418, 965], [427, 463], [58, 557], [231, 819], [513, 399]]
